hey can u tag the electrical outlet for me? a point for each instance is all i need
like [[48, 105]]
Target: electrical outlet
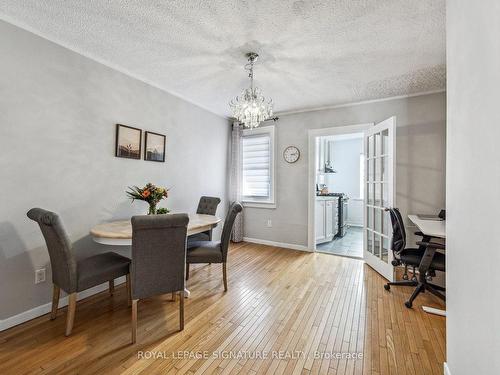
[[269, 223], [39, 276]]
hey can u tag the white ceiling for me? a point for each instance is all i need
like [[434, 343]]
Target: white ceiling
[[313, 53]]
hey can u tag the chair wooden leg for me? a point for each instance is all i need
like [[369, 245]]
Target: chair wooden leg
[[181, 310], [56, 291], [71, 313], [111, 287], [129, 290], [224, 276], [134, 321], [187, 271]]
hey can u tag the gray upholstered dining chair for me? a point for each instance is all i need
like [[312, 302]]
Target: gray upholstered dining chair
[[214, 251], [73, 275], [206, 206], [158, 259]]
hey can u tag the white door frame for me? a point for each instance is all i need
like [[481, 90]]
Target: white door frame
[[313, 133]]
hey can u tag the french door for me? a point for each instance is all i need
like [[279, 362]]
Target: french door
[[379, 146]]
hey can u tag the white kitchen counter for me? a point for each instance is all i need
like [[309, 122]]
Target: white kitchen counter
[[326, 198]]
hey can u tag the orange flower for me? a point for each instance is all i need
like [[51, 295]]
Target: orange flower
[[146, 193]]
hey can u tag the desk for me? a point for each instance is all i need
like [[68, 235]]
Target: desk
[[431, 228], [119, 233]]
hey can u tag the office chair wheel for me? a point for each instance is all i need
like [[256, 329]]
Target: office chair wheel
[[387, 287], [408, 304]]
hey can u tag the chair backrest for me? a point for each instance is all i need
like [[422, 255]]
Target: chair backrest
[[208, 205], [62, 259], [234, 210], [398, 231], [158, 254]]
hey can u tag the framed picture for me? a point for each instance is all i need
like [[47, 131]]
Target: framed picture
[[154, 149], [128, 142]]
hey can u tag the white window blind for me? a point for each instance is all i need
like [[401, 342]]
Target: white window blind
[[257, 167]]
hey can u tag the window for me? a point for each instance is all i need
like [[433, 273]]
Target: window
[[257, 167]]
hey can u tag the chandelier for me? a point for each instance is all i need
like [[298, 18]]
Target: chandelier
[[251, 107]]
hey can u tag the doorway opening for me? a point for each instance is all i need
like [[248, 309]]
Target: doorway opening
[[377, 193], [336, 199], [339, 187]]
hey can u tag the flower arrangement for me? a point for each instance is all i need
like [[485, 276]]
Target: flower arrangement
[[151, 194]]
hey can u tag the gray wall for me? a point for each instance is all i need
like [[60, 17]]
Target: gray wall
[[421, 139], [473, 186], [346, 163], [58, 112]]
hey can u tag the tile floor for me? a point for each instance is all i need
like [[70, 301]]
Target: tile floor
[[350, 245]]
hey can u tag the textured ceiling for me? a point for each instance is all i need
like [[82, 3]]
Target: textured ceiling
[[313, 53]]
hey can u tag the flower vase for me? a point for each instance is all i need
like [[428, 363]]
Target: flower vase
[[152, 209]]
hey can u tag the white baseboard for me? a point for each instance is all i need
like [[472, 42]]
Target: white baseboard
[[277, 244], [44, 309], [446, 369]]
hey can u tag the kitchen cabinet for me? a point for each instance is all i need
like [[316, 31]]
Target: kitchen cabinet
[[326, 218], [319, 213], [329, 219]]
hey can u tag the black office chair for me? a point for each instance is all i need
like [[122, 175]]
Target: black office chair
[[424, 257]]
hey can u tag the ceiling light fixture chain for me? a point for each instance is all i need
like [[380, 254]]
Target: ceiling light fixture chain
[[251, 107], [252, 58]]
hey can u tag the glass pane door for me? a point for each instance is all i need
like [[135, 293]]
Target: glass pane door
[[379, 195]]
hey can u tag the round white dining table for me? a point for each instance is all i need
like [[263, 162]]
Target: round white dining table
[[119, 233]]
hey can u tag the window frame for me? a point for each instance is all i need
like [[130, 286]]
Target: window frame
[[257, 203]]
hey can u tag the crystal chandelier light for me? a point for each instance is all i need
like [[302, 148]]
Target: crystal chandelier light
[[251, 107]]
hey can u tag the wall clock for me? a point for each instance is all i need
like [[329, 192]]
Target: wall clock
[[291, 154]]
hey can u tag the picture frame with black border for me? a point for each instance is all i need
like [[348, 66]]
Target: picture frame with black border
[[128, 142], [154, 146]]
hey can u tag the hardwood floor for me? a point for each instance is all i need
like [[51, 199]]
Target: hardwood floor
[[280, 303]]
